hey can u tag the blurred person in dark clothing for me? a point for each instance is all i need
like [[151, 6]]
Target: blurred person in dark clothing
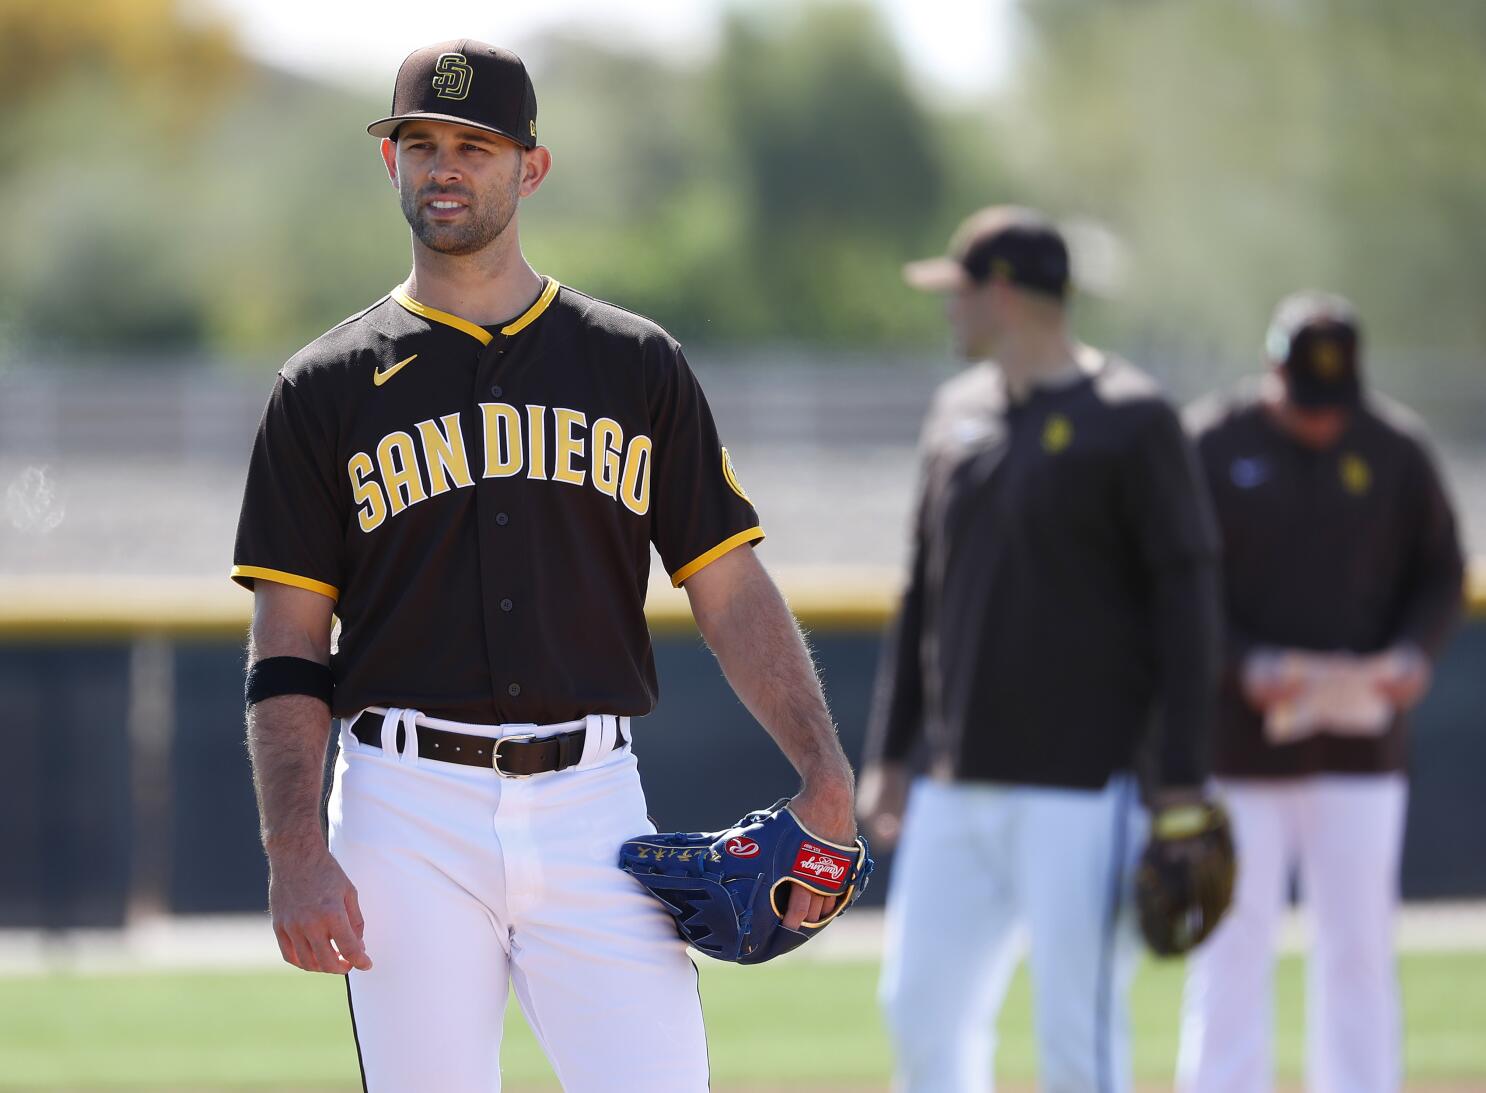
[[1060, 621], [1342, 581]]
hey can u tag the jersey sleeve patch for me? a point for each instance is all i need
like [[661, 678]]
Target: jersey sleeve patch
[[702, 561], [731, 476]]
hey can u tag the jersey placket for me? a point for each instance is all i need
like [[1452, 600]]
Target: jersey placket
[[501, 536]]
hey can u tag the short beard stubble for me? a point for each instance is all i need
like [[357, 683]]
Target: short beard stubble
[[489, 214]]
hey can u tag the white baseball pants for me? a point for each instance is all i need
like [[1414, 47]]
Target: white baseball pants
[[1346, 833], [980, 866], [470, 883]]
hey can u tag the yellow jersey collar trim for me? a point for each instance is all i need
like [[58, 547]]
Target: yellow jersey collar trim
[[531, 314], [479, 333]]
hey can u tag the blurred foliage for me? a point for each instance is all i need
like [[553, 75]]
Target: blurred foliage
[[169, 195], [146, 50], [1245, 149], [771, 196]]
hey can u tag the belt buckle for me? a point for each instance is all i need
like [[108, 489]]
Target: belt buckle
[[519, 738]]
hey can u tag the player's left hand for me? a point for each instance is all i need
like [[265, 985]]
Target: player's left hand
[[825, 806], [1184, 883], [1403, 676]]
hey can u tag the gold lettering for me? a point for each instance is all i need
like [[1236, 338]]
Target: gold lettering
[[400, 474], [503, 456], [636, 486], [606, 443], [443, 450], [568, 446], [371, 505], [536, 430]]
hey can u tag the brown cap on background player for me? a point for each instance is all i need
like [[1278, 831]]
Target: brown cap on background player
[[1005, 243], [468, 83], [1315, 342]]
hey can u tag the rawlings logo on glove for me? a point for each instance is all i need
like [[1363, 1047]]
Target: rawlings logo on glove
[[821, 864], [727, 889]]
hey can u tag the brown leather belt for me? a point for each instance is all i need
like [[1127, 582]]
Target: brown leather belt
[[519, 755]]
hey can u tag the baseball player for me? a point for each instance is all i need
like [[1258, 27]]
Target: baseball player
[[1342, 579], [469, 474], [1062, 590]]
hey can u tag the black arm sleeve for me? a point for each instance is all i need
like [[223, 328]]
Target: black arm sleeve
[[1173, 523], [1187, 625], [898, 695], [1235, 643], [1434, 585]]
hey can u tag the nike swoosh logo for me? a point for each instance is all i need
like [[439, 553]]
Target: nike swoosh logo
[[380, 378]]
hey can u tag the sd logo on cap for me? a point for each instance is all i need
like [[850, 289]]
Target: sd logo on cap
[[467, 83]]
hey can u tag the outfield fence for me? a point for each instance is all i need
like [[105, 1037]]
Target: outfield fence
[[125, 791]]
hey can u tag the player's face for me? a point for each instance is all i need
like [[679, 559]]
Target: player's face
[[458, 186], [1318, 427], [972, 312]]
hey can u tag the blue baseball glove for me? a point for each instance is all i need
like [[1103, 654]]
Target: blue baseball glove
[[728, 889]]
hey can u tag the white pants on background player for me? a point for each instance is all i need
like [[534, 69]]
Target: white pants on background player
[[1345, 832], [471, 883], [983, 870]]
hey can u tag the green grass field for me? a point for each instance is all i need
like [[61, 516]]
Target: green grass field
[[791, 1024]]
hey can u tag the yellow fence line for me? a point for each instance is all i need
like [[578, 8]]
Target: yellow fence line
[[100, 608], [825, 598]]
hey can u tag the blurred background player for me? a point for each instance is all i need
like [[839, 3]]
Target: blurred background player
[[1342, 578], [1063, 588]]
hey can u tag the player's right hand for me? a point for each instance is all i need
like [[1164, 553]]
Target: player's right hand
[[882, 796], [1271, 677], [316, 917]]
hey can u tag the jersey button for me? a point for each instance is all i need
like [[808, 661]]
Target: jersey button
[[506, 605], [497, 390], [502, 519], [513, 690]]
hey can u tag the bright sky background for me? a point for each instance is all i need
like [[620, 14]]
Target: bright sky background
[[955, 46]]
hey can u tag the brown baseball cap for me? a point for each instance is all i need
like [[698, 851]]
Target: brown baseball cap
[[467, 83], [1316, 341], [1004, 242]]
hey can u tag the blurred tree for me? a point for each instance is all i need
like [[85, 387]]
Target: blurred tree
[[841, 170], [177, 196], [154, 50], [1244, 150], [771, 195], [168, 194]]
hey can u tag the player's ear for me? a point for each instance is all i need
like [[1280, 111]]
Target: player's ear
[[389, 158], [534, 167]]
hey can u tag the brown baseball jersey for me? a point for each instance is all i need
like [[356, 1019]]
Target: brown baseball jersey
[[1351, 549], [1063, 593], [480, 503]]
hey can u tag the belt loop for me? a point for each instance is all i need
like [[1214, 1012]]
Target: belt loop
[[622, 733], [593, 740], [410, 737], [345, 736], [390, 721]]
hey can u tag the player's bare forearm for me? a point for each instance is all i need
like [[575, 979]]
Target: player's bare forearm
[[316, 918], [287, 734], [749, 627]]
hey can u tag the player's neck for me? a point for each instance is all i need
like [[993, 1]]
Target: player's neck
[[1038, 358], [491, 286]]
